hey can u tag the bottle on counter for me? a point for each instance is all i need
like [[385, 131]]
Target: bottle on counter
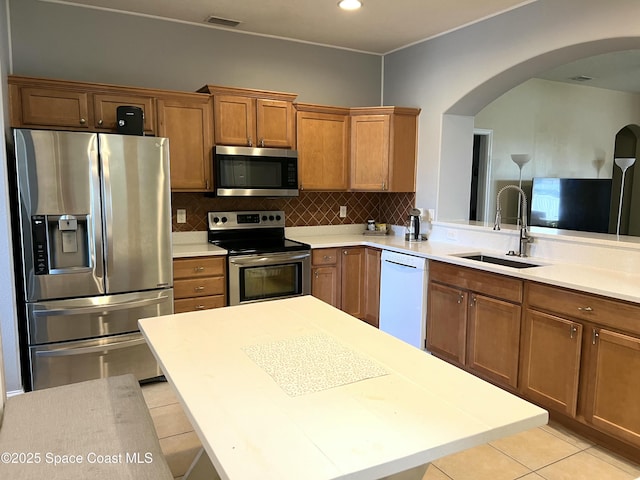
[[371, 225]]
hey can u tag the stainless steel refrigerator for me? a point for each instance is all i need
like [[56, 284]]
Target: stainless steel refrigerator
[[95, 236]]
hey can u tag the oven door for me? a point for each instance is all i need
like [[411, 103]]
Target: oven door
[[270, 276]]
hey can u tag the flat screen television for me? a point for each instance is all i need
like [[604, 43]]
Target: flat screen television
[[581, 204]]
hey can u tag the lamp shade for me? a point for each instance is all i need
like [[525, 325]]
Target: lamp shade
[[520, 158], [624, 162]]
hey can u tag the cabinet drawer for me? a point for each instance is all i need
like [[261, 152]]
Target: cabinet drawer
[[198, 267], [198, 287], [324, 256], [491, 284], [583, 306], [200, 303]]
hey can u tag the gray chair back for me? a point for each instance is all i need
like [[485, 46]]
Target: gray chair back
[[3, 393]]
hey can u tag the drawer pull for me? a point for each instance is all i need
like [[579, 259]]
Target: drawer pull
[[199, 289], [585, 309], [198, 269], [199, 307], [327, 257]]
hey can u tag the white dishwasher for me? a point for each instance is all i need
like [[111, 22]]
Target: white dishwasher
[[403, 297]]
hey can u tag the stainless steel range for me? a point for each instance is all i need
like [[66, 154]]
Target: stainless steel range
[[262, 263]]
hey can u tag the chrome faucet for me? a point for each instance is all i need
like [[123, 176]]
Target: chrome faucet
[[525, 238]]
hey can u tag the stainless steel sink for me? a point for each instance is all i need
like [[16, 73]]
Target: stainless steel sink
[[499, 261]]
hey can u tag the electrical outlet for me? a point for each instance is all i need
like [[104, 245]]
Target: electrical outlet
[[181, 215], [343, 211], [432, 214], [452, 235]]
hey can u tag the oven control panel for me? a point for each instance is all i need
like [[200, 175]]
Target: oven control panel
[[245, 219]]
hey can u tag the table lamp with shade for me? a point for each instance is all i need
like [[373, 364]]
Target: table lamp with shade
[[624, 163], [520, 159]]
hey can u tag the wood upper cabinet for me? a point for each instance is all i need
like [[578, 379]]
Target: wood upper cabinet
[[551, 348], [383, 149], [257, 118], [323, 147], [186, 120], [613, 404], [66, 105], [50, 107], [105, 106], [473, 320]]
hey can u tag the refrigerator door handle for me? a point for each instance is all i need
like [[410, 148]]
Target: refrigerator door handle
[[59, 352], [100, 308]]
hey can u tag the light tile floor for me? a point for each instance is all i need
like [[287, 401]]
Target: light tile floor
[[550, 452]]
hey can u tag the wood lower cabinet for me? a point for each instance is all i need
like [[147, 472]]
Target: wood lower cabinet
[[199, 283], [473, 321], [326, 275], [551, 348], [323, 147], [613, 392], [372, 266], [349, 279], [186, 120]]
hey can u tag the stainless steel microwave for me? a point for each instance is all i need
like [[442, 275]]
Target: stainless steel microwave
[[257, 172]]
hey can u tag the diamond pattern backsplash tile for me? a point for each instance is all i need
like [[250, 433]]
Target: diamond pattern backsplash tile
[[308, 209]]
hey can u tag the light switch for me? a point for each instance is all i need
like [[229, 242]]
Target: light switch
[[181, 215]]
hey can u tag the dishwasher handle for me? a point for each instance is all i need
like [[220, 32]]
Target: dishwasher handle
[[401, 264]]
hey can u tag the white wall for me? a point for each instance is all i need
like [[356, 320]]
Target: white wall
[[461, 72], [8, 325], [565, 128]]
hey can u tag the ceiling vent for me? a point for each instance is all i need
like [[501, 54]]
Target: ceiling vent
[[225, 22], [581, 78]]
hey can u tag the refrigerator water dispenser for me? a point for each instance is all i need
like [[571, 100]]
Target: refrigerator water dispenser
[[61, 243]]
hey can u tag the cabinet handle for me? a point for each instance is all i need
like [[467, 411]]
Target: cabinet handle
[[594, 336], [460, 297], [83, 121], [327, 257], [572, 331], [261, 142], [585, 309], [199, 289], [206, 184], [249, 142], [301, 187], [473, 301], [316, 274], [199, 307], [100, 122], [345, 252], [198, 269], [384, 187]]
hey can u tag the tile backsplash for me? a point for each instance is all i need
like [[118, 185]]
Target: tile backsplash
[[308, 209]]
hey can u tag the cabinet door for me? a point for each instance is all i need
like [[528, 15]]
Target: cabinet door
[[370, 152], [105, 106], [372, 286], [187, 124], [551, 361], [613, 403], [50, 107], [493, 343], [274, 123], [323, 151], [447, 322], [352, 264], [325, 284], [234, 120]]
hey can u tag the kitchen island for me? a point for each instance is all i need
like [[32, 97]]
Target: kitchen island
[[295, 388]]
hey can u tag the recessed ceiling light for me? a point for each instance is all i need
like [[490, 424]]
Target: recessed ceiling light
[[350, 4]]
